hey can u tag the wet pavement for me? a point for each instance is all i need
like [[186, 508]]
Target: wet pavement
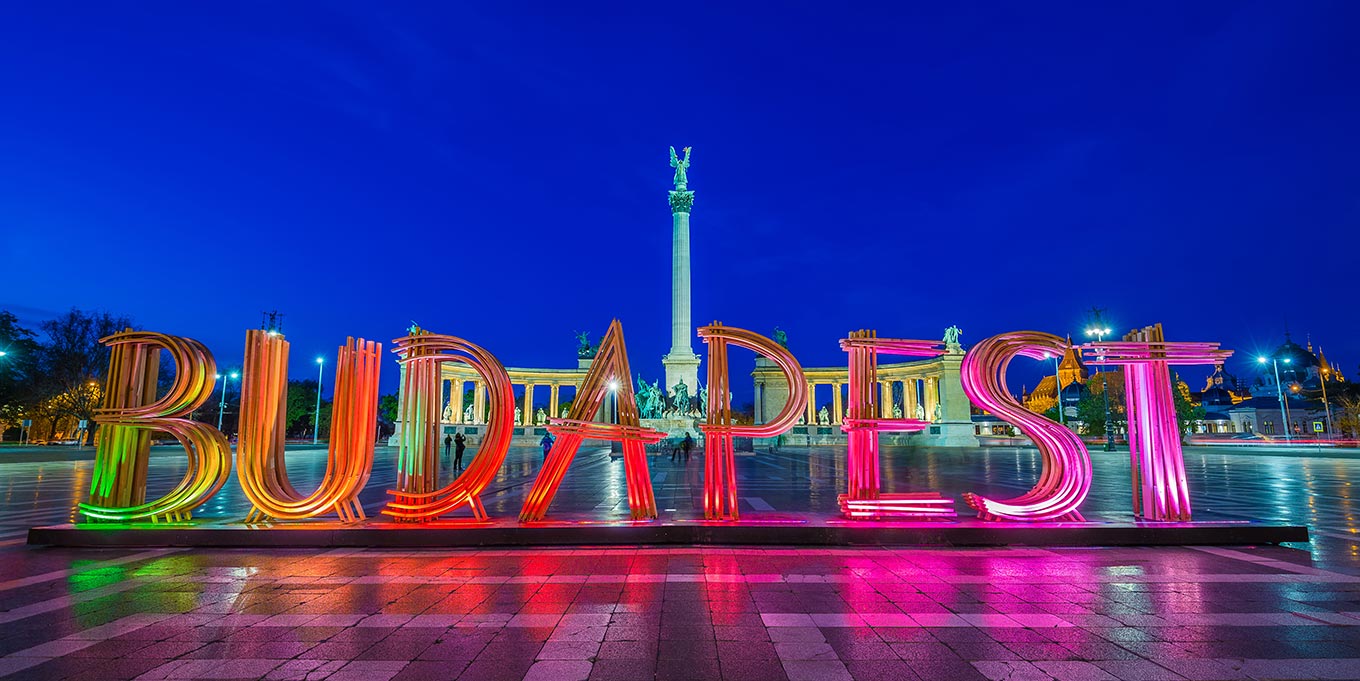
[[706, 612]]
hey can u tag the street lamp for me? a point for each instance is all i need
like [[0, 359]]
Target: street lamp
[[1326, 405], [1100, 332], [222, 405], [316, 417], [1279, 392]]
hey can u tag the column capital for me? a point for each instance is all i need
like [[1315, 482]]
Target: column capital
[[681, 200]]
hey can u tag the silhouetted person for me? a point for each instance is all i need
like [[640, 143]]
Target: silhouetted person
[[546, 443], [459, 444], [448, 445], [686, 445]]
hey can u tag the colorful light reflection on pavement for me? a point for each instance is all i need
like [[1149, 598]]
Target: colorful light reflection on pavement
[[703, 613]]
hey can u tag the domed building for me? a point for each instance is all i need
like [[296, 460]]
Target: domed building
[[1301, 376], [1222, 391]]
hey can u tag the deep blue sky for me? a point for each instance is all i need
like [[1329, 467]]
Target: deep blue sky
[[499, 172]]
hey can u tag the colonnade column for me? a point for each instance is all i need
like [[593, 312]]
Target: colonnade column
[[528, 404], [884, 399], [552, 402], [456, 398], [912, 400], [836, 408], [932, 397], [478, 402], [812, 403]]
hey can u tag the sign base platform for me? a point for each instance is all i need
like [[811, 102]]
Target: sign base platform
[[756, 529]]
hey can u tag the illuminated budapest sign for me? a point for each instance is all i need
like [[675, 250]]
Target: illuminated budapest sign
[[132, 411]]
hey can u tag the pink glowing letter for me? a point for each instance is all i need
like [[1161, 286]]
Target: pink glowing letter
[[1066, 474], [863, 499], [720, 473], [1159, 488]]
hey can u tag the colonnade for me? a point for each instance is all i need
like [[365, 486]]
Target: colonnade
[[926, 389], [923, 392], [455, 409]]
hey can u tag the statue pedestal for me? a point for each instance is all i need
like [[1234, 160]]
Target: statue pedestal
[[948, 434], [674, 427], [681, 368]]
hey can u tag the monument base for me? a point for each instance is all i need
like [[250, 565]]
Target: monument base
[[754, 528], [948, 434], [674, 427]]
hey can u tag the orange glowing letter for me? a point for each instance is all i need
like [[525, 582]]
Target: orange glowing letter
[[259, 453], [416, 498], [608, 373]]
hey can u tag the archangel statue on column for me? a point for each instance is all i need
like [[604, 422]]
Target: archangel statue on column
[[680, 165]]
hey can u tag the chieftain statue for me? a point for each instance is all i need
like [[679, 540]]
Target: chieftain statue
[[651, 403], [680, 398], [680, 165]]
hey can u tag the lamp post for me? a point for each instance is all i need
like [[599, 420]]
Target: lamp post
[[1326, 405], [1279, 392], [21, 432], [316, 416], [613, 401], [1100, 333], [1057, 381], [222, 405]]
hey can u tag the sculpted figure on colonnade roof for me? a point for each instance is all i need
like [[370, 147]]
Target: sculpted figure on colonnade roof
[[780, 337], [951, 335]]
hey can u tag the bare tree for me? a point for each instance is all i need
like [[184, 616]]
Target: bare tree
[[74, 362]]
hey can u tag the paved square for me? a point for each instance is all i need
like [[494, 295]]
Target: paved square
[[697, 612]]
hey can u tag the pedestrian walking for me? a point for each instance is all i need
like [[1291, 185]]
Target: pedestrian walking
[[448, 445], [686, 445], [546, 443]]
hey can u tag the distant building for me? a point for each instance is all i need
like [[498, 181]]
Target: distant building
[[1222, 391], [1070, 379], [1301, 374]]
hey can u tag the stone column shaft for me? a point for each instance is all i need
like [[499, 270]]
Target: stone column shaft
[[528, 416], [682, 365], [836, 406]]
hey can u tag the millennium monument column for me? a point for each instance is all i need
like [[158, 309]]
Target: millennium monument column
[[682, 365]]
